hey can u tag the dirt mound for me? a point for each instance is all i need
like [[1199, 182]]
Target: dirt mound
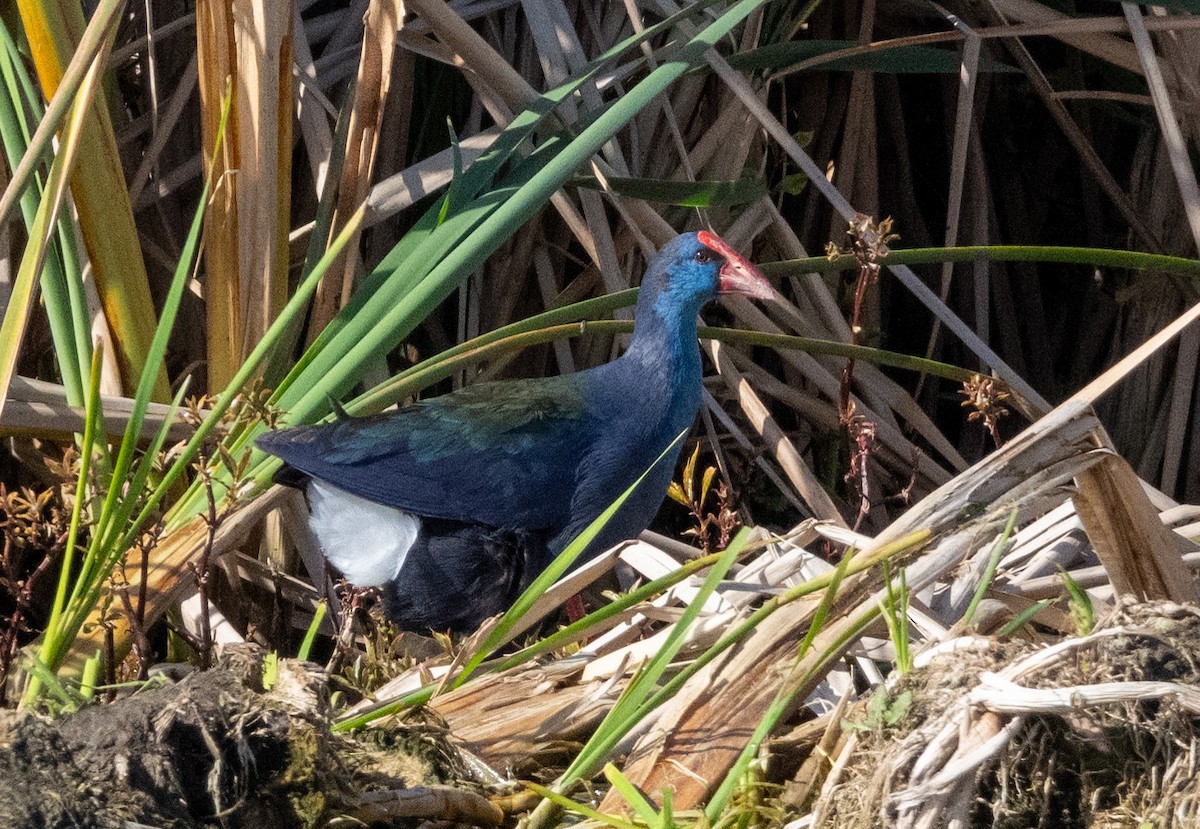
[[217, 746]]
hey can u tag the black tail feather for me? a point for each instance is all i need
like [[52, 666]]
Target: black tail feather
[[456, 575]]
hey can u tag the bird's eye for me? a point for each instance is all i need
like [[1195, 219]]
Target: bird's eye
[[704, 256]]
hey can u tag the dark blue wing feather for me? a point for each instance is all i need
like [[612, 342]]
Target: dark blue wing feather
[[500, 454]]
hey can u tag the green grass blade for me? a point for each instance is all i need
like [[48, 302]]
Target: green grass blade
[[86, 450], [310, 636], [555, 571], [564, 802], [279, 363], [1018, 621], [989, 572], [116, 520], [783, 698], [116, 509], [1092, 257], [630, 794], [639, 698]]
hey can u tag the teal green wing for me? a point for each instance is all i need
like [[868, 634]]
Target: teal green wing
[[503, 454]]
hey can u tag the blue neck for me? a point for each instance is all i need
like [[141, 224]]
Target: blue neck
[[665, 354]]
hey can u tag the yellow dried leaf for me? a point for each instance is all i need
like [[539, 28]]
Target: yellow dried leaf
[[709, 474], [675, 493], [689, 475]]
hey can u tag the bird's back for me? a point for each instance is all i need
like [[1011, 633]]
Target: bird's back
[[499, 454]]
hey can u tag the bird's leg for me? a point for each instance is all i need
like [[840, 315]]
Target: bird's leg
[[574, 609]]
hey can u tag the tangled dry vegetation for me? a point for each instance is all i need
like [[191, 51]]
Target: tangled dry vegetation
[[986, 730], [1093, 730], [968, 610], [1013, 710]]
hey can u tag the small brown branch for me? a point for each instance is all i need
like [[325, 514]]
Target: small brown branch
[[868, 244]]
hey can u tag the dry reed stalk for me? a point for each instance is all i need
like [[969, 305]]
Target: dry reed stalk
[[362, 137], [247, 53]]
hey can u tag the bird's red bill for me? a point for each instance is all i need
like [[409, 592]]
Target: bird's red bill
[[738, 275]]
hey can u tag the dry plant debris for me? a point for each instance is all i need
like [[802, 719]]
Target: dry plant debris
[[522, 722], [1100, 730]]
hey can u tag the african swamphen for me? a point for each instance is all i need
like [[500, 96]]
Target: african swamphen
[[457, 503]]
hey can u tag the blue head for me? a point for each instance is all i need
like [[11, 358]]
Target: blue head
[[691, 270]]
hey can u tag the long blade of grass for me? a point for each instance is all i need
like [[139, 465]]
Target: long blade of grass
[[989, 571], [562, 562], [280, 362], [644, 809], [634, 702], [86, 448], [1067, 255], [566, 803], [16, 315]]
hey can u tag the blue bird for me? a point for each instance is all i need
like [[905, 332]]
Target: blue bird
[[455, 504]]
